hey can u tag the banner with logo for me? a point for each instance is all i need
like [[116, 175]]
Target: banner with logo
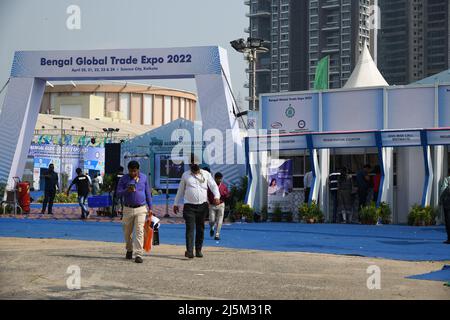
[[280, 186], [298, 112], [94, 159]]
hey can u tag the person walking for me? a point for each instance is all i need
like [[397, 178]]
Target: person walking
[[51, 184], [194, 189], [137, 199], [216, 212], [96, 185], [83, 189], [444, 200]]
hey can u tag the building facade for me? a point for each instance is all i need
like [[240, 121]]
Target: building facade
[[129, 103], [413, 40], [300, 33]]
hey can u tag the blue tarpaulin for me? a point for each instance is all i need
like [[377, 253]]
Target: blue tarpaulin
[[389, 242]]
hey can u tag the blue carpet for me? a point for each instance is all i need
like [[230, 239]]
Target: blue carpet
[[440, 275], [390, 242]]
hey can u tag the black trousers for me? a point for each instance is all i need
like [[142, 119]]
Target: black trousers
[[194, 216], [49, 197], [447, 221], [362, 195]]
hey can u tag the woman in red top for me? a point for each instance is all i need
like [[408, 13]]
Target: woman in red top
[[376, 182]]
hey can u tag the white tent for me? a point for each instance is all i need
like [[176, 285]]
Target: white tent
[[366, 73]]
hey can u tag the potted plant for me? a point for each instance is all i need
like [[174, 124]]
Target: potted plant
[[288, 216], [277, 214], [245, 211], [384, 213], [264, 215], [310, 213], [369, 214], [422, 216]]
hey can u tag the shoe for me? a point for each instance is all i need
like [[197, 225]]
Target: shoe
[[83, 217], [217, 237], [189, 255], [129, 255], [198, 254], [447, 242], [211, 232], [138, 260]]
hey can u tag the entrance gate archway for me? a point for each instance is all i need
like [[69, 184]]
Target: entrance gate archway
[[31, 69]]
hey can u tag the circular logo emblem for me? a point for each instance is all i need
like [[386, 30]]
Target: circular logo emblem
[[302, 124], [290, 112]]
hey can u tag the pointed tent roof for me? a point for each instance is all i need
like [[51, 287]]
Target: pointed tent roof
[[366, 73]]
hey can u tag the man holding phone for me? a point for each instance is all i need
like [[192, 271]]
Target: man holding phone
[[137, 201]]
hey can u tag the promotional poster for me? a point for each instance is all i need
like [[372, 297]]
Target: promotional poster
[[280, 185]]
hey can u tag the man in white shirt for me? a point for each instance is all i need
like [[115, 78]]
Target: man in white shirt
[[194, 189]]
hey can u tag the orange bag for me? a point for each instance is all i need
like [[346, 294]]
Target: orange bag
[[148, 234]]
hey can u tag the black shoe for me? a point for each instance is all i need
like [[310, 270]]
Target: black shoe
[[129, 255], [198, 254], [138, 260], [189, 255], [447, 242], [83, 217], [217, 238], [211, 232]]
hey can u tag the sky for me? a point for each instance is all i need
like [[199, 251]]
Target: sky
[[117, 24]]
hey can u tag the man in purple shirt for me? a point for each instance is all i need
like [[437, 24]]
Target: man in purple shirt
[[137, 202]]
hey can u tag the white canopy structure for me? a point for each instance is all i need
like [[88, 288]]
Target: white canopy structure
[[366, 73]]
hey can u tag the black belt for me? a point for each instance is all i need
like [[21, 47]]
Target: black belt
[[196, 205], [134, 207]]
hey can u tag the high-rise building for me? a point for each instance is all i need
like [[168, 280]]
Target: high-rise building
[[340, 29], [260, 16], [413, 40], [300, 33], [283, 24]]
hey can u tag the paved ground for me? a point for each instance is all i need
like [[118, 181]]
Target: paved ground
[[36, 269]]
